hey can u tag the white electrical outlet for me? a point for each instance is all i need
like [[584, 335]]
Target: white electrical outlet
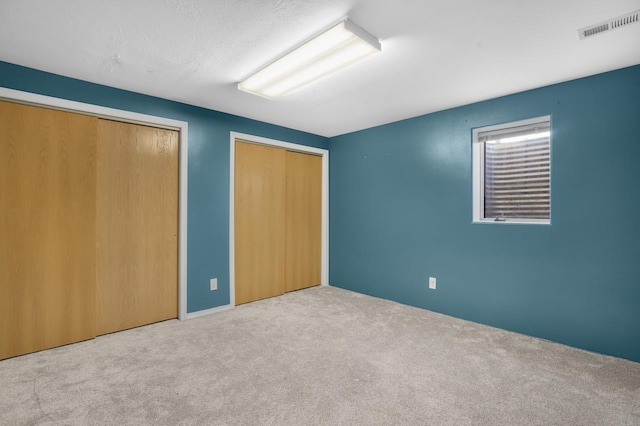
[[432, 283], [213, 284]]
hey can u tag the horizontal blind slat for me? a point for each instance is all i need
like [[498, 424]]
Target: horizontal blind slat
[[517, 175], [528, 129]]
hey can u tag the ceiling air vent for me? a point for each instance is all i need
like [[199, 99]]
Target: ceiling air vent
[[611, 24]]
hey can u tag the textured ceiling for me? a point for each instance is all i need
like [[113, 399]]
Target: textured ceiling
[[435, 54]]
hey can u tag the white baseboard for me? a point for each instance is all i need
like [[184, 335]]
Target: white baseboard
[[192, 315]]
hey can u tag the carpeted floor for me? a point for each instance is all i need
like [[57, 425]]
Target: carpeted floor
[[322, 356]]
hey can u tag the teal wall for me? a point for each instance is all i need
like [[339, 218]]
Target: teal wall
[[400, 208], [208, 192], [401, 211]]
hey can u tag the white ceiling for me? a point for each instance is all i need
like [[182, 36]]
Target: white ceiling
[[435, 54]]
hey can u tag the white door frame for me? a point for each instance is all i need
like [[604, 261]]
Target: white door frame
[[324, 265], [136, 118]]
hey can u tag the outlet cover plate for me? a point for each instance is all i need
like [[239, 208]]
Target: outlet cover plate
[[432, 283], [213, 284]]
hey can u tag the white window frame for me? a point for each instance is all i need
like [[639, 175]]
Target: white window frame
[[478, 153]]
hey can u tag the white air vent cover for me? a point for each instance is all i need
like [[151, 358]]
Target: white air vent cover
[[611, 24]]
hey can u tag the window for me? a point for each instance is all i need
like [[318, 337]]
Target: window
[[511, 172]]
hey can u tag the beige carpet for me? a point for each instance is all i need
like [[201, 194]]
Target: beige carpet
[[319, 356]]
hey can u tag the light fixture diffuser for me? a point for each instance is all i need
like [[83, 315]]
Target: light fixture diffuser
[[337, 47]]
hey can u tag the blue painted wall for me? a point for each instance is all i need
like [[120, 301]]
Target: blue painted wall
[[208, 193], [401, 210]]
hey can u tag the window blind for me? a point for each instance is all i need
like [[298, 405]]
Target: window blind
[[516, 172]]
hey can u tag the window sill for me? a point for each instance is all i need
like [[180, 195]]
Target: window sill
[[512, 222]]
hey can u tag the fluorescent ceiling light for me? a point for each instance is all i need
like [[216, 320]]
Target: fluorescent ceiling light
[[337, 47]]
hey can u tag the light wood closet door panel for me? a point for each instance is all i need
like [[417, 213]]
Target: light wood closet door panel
[[260, 189], [304, 221], [137, 226], [47, 228]]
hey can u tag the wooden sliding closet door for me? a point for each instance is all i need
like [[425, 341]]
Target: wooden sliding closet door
[[47, 228], [278, 221], [260, 190], [137, 225], [304, 221]]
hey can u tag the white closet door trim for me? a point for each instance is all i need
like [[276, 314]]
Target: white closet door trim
[[136, 118], [324, 277]]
